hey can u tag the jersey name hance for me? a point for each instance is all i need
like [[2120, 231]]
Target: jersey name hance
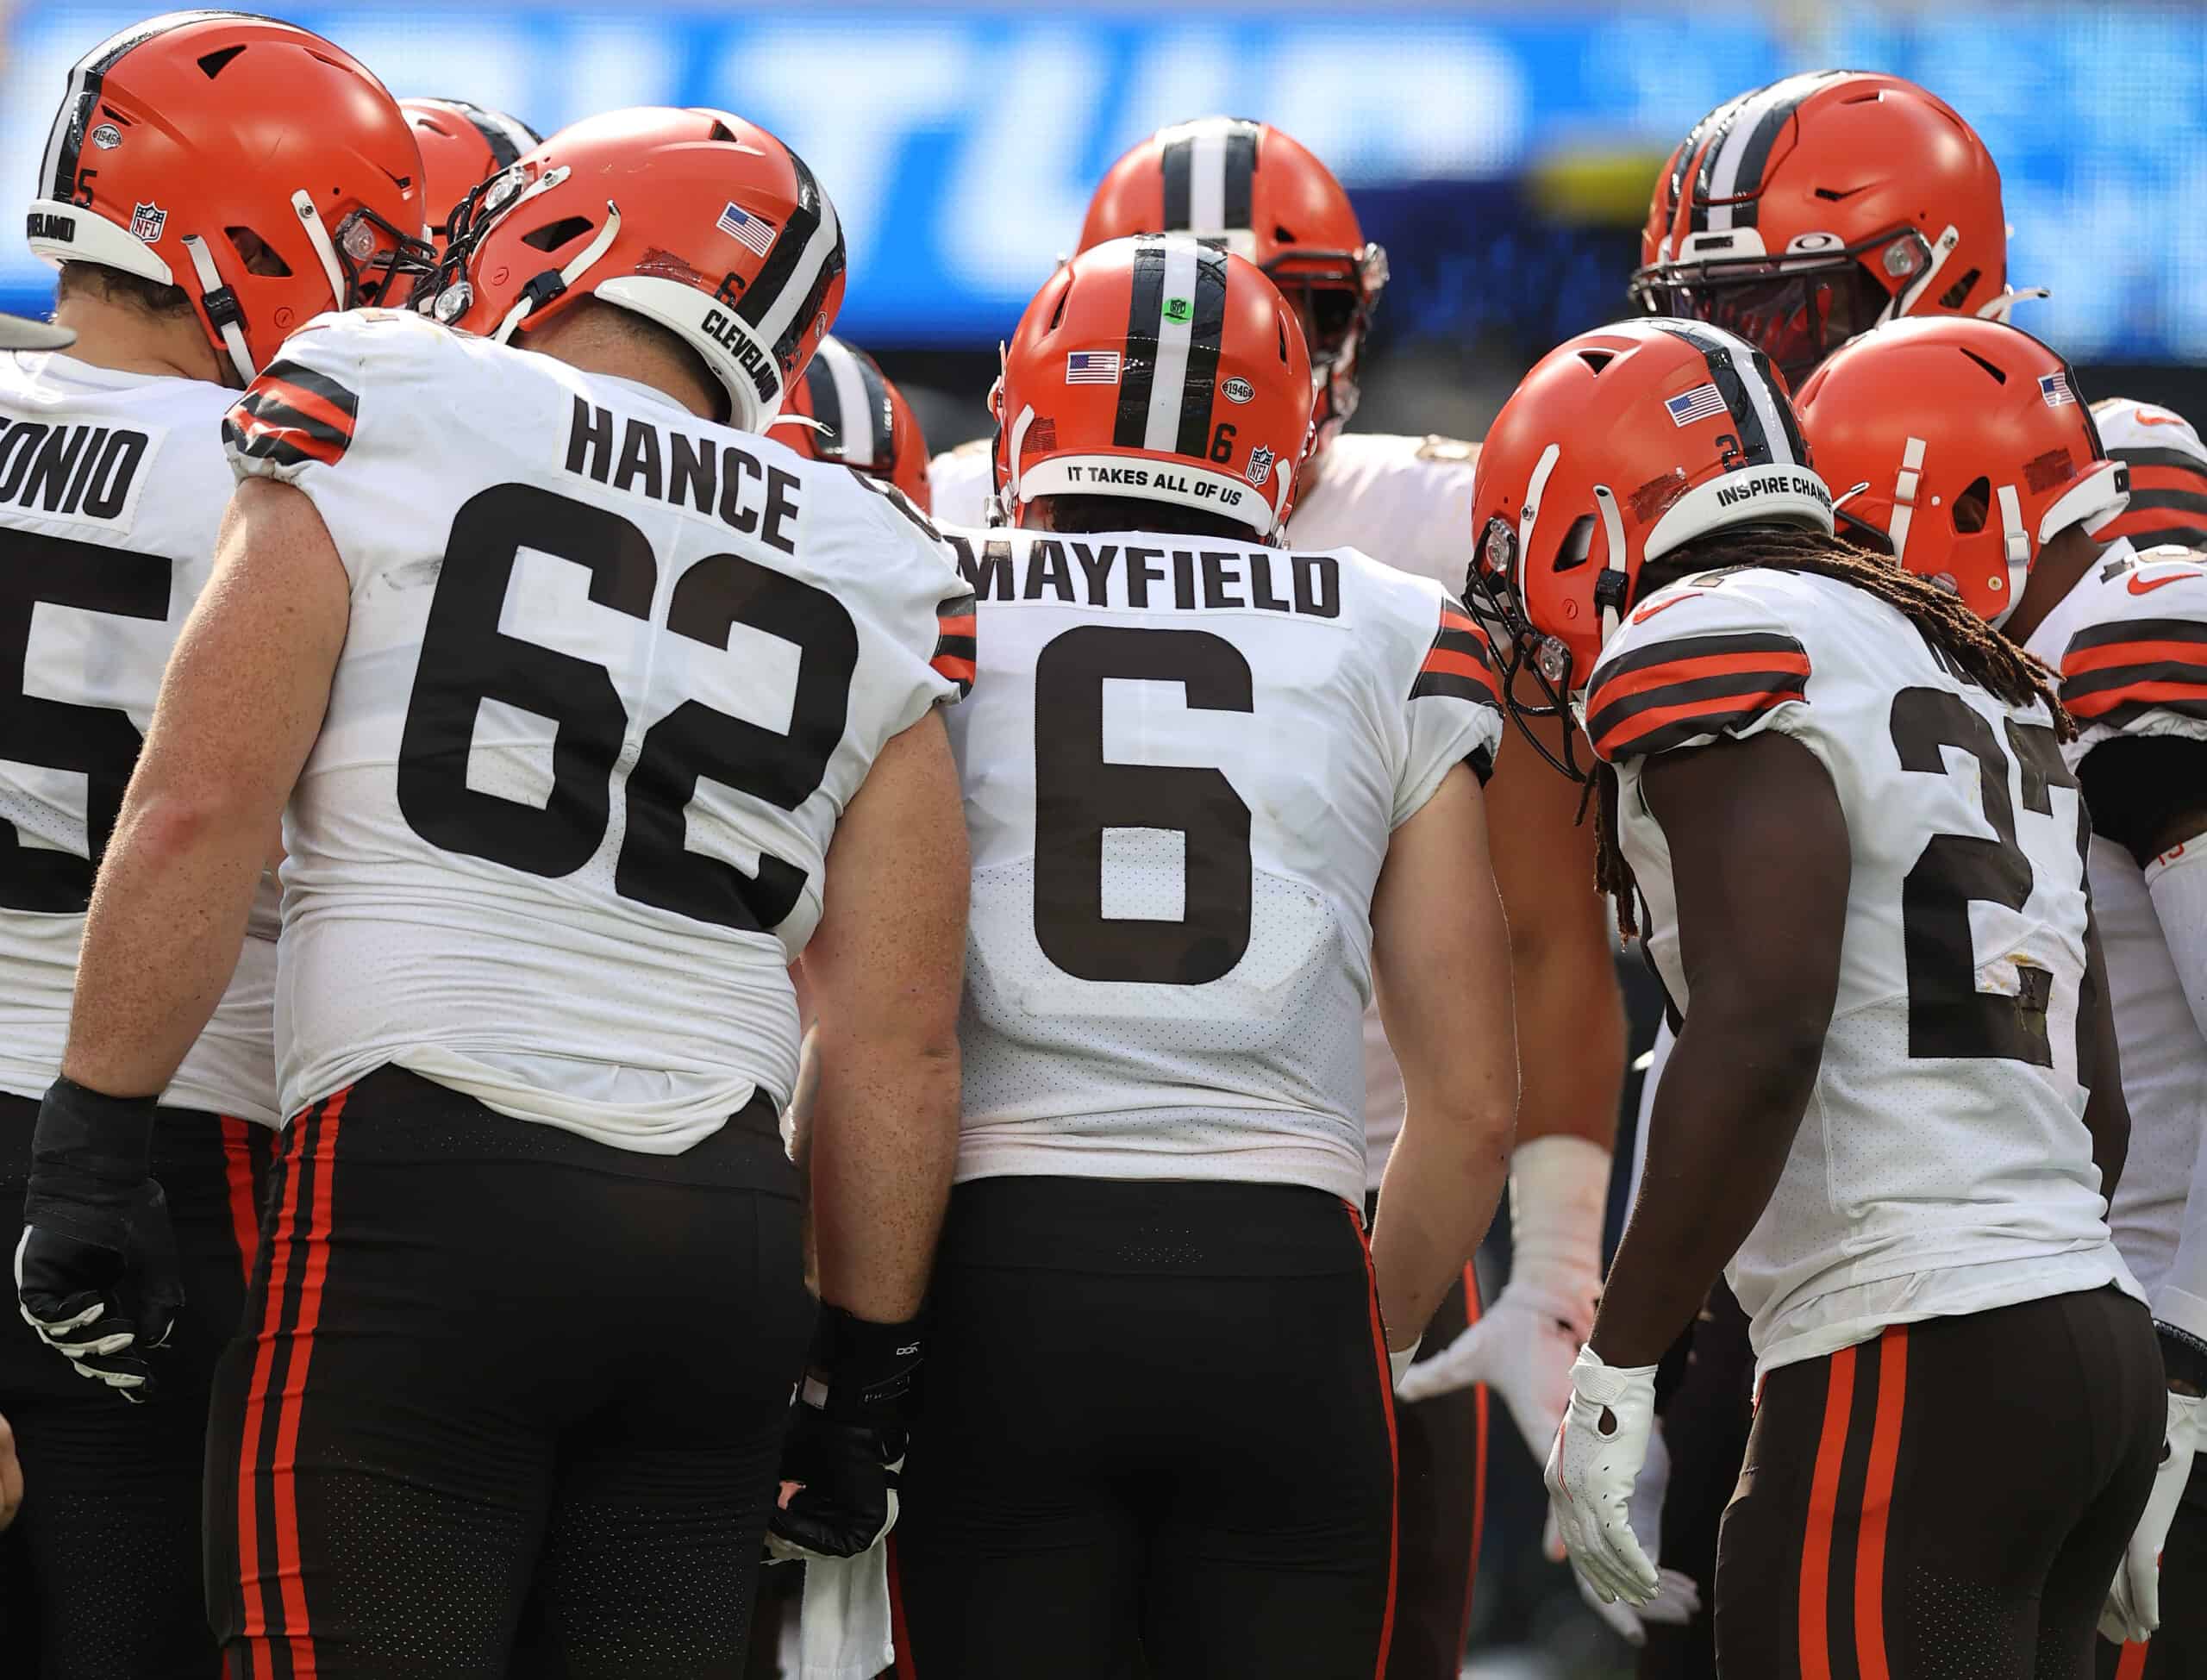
[[1182, 763], [1942, 1166], [112, 488], [612, 674]]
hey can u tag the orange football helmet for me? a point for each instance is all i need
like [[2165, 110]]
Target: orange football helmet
[[1164, 369], [462, 145], [252, 165], [2169, 473], [1273, 203], [1801, 214], [1975, 447], [614, 207], [1622, 444], [859, 419]]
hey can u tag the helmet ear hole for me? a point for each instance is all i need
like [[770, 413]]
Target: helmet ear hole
[[553, 234], [256, 253], [1578, 541], [1952, 298], [1973, 507]]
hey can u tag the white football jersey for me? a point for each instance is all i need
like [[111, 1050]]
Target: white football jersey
[[1182, 763], [2130, 642], [112, 488], [1942, 1166], [1405, 500], [613, 672]]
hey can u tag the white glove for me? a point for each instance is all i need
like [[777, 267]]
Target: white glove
[[2134, 1603], [1591, 1474], [1677, 1600], [1399, 1361], [1522, 1343]]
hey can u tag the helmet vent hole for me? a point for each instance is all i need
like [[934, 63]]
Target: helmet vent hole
[[1972, 506], [1831, 195], [214, 64], [1284, 235], [1577, 542], [720, 131], [1058, 316], [1952, 298], [256, 254], [553, 234], [1999, 375], [1596, 360], [1280, 326]]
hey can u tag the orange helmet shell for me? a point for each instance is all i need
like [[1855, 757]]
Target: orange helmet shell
[[1272, 201], [1165, 369], [182, 131], [1921, 411], [1622, 444], [463, 145], [1803, 213], [694, 219], [862, 420]]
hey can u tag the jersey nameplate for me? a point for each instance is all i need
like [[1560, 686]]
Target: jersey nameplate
[[707, 473], [84, 473], [1078, 572]]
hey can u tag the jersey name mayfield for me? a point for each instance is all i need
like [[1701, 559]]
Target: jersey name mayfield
[[112, 488], [612, 674], [1182, 763], [1942, 1166]]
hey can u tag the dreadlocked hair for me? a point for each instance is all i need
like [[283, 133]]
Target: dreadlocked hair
[[1970, 646]]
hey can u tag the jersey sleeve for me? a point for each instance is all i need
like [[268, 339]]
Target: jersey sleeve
[[960, 481], [1692, 665], [1454, 706], [2141, 668], [899, 577]]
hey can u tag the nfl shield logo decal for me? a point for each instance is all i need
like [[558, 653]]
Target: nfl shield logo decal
[[146, 221], [1260, 465]]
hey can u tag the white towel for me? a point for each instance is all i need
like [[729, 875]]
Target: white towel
[[843, 1628]]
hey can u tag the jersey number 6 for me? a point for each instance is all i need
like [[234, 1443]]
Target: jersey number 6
[[467, 659]]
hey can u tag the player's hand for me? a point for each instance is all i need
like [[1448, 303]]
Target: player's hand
[[1522, 1348], [2134, 1603], [1677, 1598], [11, 1477], [844, 1451], [96, 1271], [1599, 1449]]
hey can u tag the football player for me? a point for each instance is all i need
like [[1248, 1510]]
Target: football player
[[847, 411], [1155, 1294], [211, 180], [1838, 800], [463, 145], [1407, 502], [567, 675], [1797, 215], [1984, 471], [2168, 474]]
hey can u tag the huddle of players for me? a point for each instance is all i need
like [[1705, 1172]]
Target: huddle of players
[[463, 595]]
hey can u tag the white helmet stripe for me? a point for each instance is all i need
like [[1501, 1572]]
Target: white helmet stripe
[[1168, 384], [1738, 140], [57, 168], [798, 277], [853, 421], [1207, 180]]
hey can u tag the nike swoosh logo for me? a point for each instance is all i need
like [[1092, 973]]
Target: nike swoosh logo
[[2138, 585], [1655, 606], [2146, 418]]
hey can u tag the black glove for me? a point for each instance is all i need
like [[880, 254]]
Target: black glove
[[845, 1442], [96, 1271]]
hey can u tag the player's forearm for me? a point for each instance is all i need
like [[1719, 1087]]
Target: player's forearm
[[1444, 1181], [1718, 1137], [168, 918], [884, 1142], [1571, 1032]]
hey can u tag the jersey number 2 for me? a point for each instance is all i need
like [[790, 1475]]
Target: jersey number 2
[[1079, 793], [1948, 1014], [467, 659]]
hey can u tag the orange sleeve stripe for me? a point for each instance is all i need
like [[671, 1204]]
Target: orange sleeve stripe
[[1656, 717], [2117, 653], [949, 664], [1457, 621], [2193, 479], [956, 626], [1442, 662], [314, 407], [305, 442], [1629, 683], [2090, 706]]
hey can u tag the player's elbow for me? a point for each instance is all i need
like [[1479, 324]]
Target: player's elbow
[[162, 825]]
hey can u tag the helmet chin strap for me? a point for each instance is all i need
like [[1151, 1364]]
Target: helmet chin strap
[[1008, 497], [2006, 299], [221, 306], [544, 288], [2016, 542], [1942, 249]]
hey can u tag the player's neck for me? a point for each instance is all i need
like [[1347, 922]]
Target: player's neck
[[2061, 565], [590, 343], [125, 340]]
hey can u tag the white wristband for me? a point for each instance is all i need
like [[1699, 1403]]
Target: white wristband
[[1558, 1193]]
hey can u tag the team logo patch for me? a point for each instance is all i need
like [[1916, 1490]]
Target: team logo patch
[[1179, 308], [1260, 465], [2055, 388], [146, 221], [1092, 367], [754, 233], [1702, 403], [1237, 391], [107, 137]]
